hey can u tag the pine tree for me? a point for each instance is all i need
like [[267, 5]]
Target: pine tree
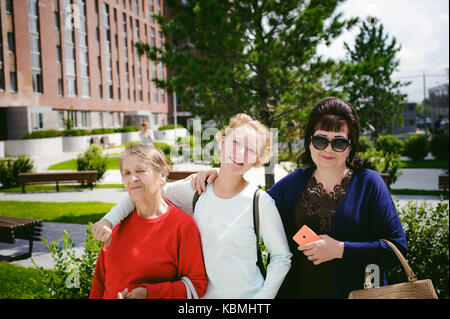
[[368, 78]]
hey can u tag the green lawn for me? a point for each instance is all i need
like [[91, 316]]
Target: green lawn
[[70, 212], [423, 164], [111, 163], [19, 282]]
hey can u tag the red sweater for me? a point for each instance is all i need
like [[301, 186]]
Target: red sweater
[[153, 253]]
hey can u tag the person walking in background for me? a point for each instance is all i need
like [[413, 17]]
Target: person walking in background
[[440, 125], [146, 134]]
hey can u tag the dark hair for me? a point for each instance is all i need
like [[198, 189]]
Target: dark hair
[[333, 114]]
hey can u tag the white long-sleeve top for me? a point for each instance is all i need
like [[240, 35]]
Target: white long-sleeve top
[[147, 138], [229, 240]]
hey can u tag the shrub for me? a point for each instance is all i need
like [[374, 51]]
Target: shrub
[[92, 159], [384, 163], [426, 230], [41, 134], [389, 144], [166, 148], [76, 132], [72, 276], [127, 129], [364, 144], [97, 131], [415, 147], [10, 168], [169, 127], [439, 146]]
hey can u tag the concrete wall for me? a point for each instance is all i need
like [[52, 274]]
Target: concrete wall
[[130, 137], [75, 143], [34, 147], [2, 149]]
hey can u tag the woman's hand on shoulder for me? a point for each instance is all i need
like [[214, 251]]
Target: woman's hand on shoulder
[[198, 180], [102, 230]]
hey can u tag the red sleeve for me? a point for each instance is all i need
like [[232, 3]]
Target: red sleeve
[[190, 264], [98, 283]]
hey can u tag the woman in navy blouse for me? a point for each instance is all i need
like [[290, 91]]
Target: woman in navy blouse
[[341, 199]]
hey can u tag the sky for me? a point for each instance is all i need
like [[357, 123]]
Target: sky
[[421, 27]]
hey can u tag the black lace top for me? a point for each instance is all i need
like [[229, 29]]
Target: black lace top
[[315, 208]]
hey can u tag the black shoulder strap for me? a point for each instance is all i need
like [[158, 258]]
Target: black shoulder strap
[[195, 199], [259, 262]]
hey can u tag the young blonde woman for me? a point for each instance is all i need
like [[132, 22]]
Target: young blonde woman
[[224, 217]]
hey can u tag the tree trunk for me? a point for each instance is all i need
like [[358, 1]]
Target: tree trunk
[[269, 177]]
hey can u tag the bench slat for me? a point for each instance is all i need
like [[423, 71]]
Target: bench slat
[[177, 175]]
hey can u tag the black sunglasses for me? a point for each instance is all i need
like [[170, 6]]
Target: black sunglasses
[[339, 144]]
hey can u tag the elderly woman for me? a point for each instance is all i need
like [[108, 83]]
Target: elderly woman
[[340, 198], [156, 245]]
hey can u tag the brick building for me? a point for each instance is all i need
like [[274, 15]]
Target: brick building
[[76, 59]]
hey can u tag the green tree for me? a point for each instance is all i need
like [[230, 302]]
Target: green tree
[[367, 80], [256, 56]]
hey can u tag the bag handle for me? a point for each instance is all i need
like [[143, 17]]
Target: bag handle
[[409, 273], [191, 293]]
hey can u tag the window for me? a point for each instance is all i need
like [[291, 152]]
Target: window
[[61, 119], [13, 81], [60, 87], [73, 116], [11, 42], [111, 118], [2, 75], [58, 54], [71, 86], [9, 7], [85, 118], [156, 118], [37, 121], [100, 119], [37, 82]]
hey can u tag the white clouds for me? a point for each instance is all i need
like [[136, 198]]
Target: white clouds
[[421, 27]]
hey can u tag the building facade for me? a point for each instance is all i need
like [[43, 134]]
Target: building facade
[[76, 59]]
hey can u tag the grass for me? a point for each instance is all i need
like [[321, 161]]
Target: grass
[[19, 282], [69, 212], [111, 163], [419, 192], [424, 164]]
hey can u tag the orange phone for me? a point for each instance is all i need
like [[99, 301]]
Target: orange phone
[[305, 236]]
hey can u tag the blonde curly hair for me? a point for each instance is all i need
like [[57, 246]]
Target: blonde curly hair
[[263, 133]]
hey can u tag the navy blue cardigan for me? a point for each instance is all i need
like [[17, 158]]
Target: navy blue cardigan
[[365, 215]]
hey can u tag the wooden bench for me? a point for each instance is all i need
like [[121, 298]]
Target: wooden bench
[[88, 177], [20, 228], [177, 175], [443, 181]]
